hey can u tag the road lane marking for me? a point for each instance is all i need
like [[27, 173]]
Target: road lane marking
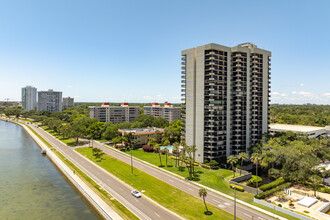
[[190, 189], [215, 200], [226, 203], [221, 206], [157, 214]]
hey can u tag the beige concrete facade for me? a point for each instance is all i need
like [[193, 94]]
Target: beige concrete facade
[[115, 114], [142, 135], [167, 111], [226, 96], [68, 102]]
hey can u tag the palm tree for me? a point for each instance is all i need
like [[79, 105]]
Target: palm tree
[[242, 156], [203, 193], [166, 152], [315, 179], [176, 152], [256, 158], [232, 160], [157, 148]]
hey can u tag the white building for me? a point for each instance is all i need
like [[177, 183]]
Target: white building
[[310, 131], [115, 114], [168, 111], [226, 96], [29, 98], [50, 101]]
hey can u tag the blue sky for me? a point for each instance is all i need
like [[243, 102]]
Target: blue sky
[[130, 50]]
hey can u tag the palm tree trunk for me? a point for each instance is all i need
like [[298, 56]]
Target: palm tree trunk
[[257, 177], [166, 159], [240, 171], [205, 204], [160, 159]]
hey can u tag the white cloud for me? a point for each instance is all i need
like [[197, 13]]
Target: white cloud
[[326, 94], [301, 84]]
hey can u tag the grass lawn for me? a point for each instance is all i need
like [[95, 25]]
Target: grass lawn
[[210, 178], [170, 197], [67, 141]]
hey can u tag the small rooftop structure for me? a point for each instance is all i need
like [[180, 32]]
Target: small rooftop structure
[[124, 104], [105, 104], [307, 201], [311, 131]]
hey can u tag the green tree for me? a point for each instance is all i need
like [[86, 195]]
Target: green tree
[[158, 150], [242, 156], [256, 158], [176, 152], [232, 160], [203, 193], [315, 180]]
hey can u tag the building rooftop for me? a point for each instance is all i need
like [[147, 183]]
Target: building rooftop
[[294, 128], [142, 130]]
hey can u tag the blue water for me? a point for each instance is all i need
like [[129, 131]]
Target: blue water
[[168, 147], [31, 187]]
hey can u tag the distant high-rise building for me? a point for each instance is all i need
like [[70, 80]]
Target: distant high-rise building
[[167, 111], [50, 101], [29, 98], [68, 102], [115, 114], [226, 96]]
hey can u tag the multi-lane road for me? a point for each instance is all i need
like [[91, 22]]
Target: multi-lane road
[[212, 198], [143, 208]]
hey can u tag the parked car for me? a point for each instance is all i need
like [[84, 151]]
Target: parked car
[[136, 193]]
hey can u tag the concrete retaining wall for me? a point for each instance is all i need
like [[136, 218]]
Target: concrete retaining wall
[[239, 179], [286, 211]]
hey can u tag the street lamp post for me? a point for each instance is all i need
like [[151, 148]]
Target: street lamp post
[[132, 160], [235, 202]]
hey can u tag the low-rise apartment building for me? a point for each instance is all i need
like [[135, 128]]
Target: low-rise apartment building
[[115, 114], [143, 135], [310, 131], [167, 111]]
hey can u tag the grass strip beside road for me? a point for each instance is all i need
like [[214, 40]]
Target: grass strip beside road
[[166, 195], [114, 204], [209, 178]]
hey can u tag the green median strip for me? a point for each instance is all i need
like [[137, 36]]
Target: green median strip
[[207, 177], [166, 195], [114, 204]]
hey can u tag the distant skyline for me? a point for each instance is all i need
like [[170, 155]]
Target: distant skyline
[[129, 51]]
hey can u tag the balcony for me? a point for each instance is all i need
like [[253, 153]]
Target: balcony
[[183, 81], [183, 90], [183, 77], [183, 72]]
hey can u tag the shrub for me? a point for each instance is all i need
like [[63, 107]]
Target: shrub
[[213, 163], [254, 179], [279, 205], [180, 168], [272, 184], [268, 193], [238, 188], [205, 166], [147, 148]]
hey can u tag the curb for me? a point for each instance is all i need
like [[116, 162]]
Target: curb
[[200, 185], [63, 168], [130, 187]]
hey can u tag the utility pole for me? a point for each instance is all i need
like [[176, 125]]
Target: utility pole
[[132, 160]]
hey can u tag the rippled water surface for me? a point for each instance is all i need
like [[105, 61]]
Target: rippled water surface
[[31, 187]]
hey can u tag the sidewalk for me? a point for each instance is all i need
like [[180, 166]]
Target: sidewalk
[[103, 208]]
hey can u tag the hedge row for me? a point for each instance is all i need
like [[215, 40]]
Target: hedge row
[[272, 185], [265, 194], [239, 188]]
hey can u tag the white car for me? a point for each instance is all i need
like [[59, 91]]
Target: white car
[[136, 193]]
